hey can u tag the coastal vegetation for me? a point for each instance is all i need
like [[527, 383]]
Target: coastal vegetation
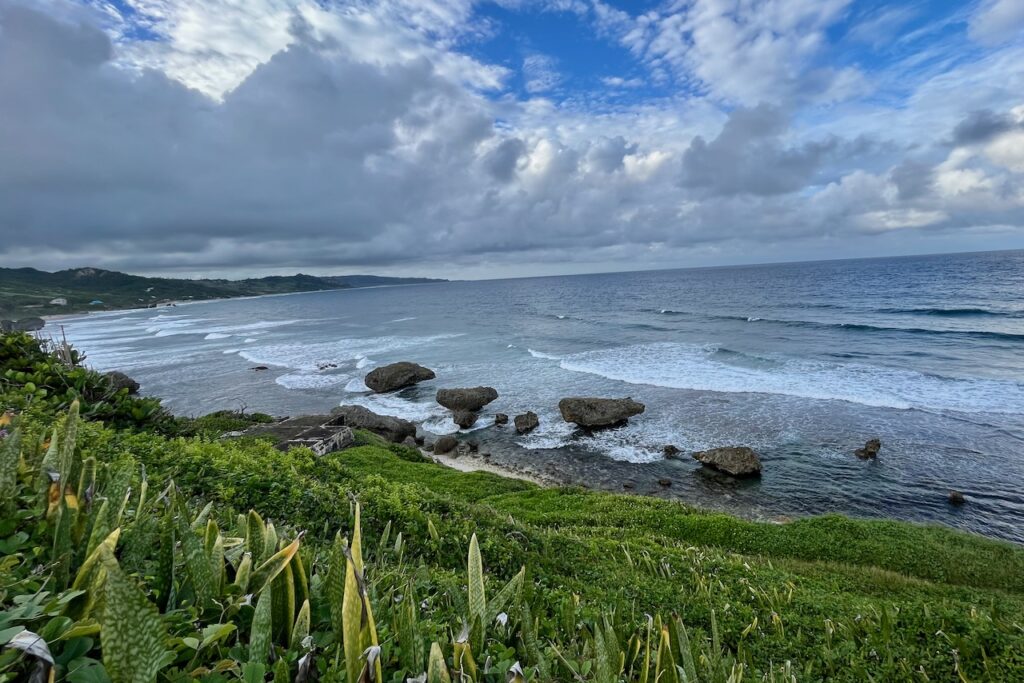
[[137, 546], [27, 292]]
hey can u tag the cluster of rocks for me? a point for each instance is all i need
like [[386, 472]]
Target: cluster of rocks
[[22, 325]]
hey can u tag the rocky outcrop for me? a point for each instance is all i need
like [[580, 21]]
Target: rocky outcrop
[[870, 450], [500, 419], [472, 399], [464, 418], [595, 413], [119, 380], [446, 444], [526, 422], [670, 451], [410, 442], [738, 461], [22, 325], [397, 376], [357, 417]]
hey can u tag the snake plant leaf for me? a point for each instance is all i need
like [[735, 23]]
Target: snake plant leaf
[[133, 637], [259, 639], [301, 627], [437, 670], [197, 562], [264, 574], [685, 652], [664, 665], [10, 454], [283, 587], [66, 455], [78, 607], [507, 599], [463, 665], [269, 541], [301, 577], [243, 572], [335, 586], [352, 612], [477, 597], [202, 519], [254, 535]]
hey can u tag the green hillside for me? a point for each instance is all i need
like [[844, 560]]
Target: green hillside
[[26, 292], [174, 555]]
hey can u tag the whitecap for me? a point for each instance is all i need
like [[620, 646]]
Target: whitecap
[[310, 380], [541, 354], [217, 335], [402, 320], [357, 386]]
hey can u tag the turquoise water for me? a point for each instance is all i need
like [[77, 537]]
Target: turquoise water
[[803, 362]]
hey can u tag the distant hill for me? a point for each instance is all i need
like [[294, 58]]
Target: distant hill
[[27, 292]]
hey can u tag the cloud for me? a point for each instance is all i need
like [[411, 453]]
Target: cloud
[[997, 21], [540, 74], [981, 126]]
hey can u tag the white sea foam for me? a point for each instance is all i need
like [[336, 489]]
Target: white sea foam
[[249, 340], [402, 320], [357, 386], [363, 362], [389, 404], [311, 356], [541, 354], [310, 380], [682, 366], [217, 335]]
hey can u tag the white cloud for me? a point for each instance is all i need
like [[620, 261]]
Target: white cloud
[[540, 74], [997, 21]]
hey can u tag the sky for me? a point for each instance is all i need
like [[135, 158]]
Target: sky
[[500, 138]]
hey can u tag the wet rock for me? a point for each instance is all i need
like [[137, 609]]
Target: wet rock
[[119, 380], [391, 428], [445, 444], [259, 367], [956, 497], [474, 447], [464, 418], [738, 461], [500, 419], [870, 450], [22, 325], [628, 485], [527, 422], [397, 376], [410, 442], [595, 413], [670, 451], [462, 450], [665, 482], [471, 399]]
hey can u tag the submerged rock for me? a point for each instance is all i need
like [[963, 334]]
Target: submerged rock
[[259, 367], [527, 422], [665, 482], [670, 451], [397, 376], [391, 428], [500, 419], [471, 399], [464, 418], [445, 444], [739, 461], [870, 450], [594, 413], [956, 497], [119, 380]]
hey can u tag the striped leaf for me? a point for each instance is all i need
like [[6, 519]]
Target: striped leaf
[[437, 670], [665, 665], [243, 572], [477, 597], [283, 587], [259, 639], [254, 535], [197, 562], [132, 633], [264, 574], [507, 599], [301, 627], [10, 454], [335, 587]]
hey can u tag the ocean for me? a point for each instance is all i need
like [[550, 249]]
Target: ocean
[[803, 362]]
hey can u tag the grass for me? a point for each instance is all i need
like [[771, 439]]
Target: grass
[[825, 598]]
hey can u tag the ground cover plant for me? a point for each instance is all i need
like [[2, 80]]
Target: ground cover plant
[[134, 554]]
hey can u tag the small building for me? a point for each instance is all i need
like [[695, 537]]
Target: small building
[[59, 301]]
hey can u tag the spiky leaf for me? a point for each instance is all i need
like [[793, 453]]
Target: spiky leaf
[[262, 622], [477, 597], [264, 574], [132, 635], [437, 670]]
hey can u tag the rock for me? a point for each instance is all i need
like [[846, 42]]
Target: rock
[[462, 450], [870, 450], [474, 447], [119, 380], [446, 444], [322, 440], [670, 451], [391, 428], [527, 422], [592, 413], [500, 419], [259, 367], [397, 376], [739, 461], [464, 418], [472, 399], [419, 440], [22, 325], [956, 497], [410, 442], [628, 485]]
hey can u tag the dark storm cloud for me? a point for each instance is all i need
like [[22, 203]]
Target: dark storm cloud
[[982, 126], [749, 156]]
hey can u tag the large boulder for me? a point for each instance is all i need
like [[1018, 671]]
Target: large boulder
[[397, 376], [22, 325], [464, 418], [526, 422], [446, 444], [739, 461], [870, 450], [391, 428], [119, 380], [594, 413], [472, 399], [500, 419]]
